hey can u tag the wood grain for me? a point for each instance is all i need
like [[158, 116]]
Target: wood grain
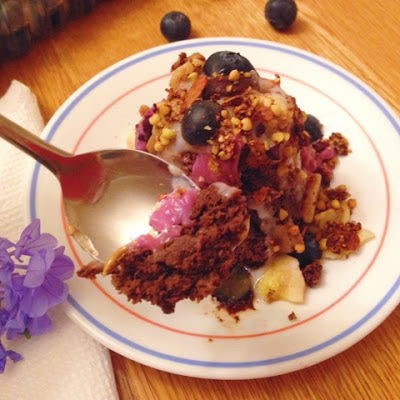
[[361, 36]]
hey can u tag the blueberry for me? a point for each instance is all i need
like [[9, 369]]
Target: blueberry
[[223, 62], [313, 127], [280, 13], [201, 121], [175, 26], [237, 286], [311, 252]]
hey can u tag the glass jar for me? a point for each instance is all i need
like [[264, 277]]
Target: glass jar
[[24, 21]]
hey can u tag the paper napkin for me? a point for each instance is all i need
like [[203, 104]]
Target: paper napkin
[[64, 363]]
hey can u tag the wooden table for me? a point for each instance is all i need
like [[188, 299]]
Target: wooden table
[[361, 36]]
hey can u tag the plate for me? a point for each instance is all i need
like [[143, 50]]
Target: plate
[[352, 299]]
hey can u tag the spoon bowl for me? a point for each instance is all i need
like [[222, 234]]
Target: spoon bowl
[[108, 195]]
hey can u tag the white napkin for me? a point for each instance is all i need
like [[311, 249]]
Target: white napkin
[[64, 363]]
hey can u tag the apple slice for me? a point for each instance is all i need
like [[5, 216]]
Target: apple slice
[[282, 280]]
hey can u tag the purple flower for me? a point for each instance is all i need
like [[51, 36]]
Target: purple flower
[[32, 241], [7, 353], [25, 298]]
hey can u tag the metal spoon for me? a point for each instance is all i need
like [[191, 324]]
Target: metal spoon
[[108, 195]]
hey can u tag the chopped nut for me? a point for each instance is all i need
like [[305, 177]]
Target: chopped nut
[[247, 124], [143, 109], [154, 119], [302, 174], [164, 109], [277, 80], [158, 147], [277, 137], [283, 214], [276, 109], [164, 141], [214, 149], [223, 155], [352, 203], [276, 248], [293, 230], [197, 62], [335, 204], [255, 101], [235, 121], [193, 76], [234, 75], [267, 102], [168, 133], [299, 247]]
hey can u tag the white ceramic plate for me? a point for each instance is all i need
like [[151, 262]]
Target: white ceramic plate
[[354, 297]]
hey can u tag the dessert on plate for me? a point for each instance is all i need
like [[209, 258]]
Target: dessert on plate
[[265, 201]]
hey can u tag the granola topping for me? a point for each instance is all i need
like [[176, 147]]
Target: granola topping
[[221, 122]]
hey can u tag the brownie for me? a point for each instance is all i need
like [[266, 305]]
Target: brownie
[[193, 264]]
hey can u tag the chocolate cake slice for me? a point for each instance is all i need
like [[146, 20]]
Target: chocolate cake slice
[[168, 267]]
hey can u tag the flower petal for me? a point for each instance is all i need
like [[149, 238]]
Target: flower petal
[[62, 267], [39, 325], [57, 290], [14, 356], [6, 266], [16, 325], [5, 244], [36, 303], [32, 240], [35, 272], [13, 291]]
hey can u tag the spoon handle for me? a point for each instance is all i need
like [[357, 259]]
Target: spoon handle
[[47, 154]]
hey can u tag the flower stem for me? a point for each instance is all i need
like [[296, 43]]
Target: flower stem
[[27, 334]]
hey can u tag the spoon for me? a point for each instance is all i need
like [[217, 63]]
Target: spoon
[[108, 195]]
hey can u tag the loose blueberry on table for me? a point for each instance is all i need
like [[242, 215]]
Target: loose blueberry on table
[[280, 13], [175, 25]]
